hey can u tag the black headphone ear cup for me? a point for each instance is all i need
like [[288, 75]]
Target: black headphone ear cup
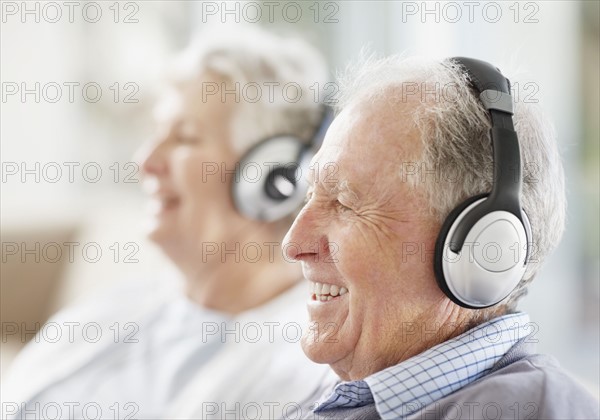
[[281, 182], [254, 188], [439, 246]]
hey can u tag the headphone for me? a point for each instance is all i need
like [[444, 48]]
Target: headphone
[[269, 183], [482, 248]]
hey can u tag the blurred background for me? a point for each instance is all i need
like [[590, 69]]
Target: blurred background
[[78, 88]]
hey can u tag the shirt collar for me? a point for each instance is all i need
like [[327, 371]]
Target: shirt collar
[[400, 390]]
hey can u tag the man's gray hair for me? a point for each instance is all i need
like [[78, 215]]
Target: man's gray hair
[[276, 79], [456, 161]]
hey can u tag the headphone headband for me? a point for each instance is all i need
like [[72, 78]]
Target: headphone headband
[[487, 80], [471, 279]]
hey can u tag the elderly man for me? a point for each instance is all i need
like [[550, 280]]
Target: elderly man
[[409, 334]]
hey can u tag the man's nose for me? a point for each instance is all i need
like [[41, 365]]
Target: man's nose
[[306, 240]]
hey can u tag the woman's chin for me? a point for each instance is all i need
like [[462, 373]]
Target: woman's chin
[[161, 234]]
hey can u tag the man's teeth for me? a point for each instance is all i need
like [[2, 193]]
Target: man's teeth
[[325, 291]]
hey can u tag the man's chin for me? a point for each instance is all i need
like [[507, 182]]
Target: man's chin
[[313, 351], [320, 346]]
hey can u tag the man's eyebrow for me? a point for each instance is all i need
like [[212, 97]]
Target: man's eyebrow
[[332, 186], [342, 187]]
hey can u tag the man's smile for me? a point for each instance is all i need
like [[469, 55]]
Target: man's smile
[[325, 292]]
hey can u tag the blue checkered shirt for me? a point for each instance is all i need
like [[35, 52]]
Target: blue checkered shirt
[[403, 389]]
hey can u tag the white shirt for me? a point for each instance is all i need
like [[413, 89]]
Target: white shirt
[[126, 353], [266, 374], [153, 344]]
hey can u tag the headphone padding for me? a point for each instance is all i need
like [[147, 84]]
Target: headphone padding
[[439, 248]]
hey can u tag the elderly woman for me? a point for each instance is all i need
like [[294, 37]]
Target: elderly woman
[[426, 327], [230, 332]]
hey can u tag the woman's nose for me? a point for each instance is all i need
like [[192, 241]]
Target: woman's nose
[[151, 157]]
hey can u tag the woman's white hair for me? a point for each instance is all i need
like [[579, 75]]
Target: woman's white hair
[[454, 129], [275, 80]]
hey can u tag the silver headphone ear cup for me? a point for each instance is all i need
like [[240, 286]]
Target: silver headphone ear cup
[[491, 262], [248, 188], [439, 247]]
